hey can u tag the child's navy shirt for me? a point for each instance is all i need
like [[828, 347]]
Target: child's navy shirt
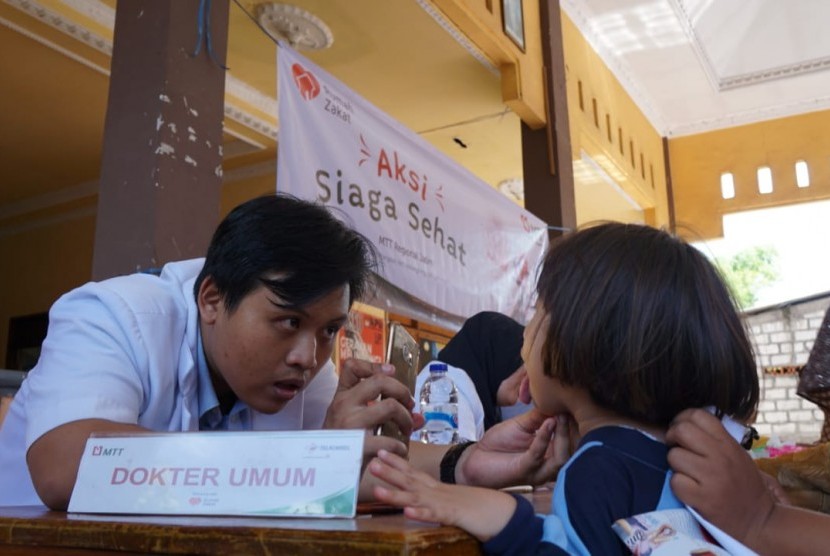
[[617, 472]]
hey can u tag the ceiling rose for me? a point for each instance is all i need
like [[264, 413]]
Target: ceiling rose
[[302, 30]]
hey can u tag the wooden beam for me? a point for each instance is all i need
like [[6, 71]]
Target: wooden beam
[[546, 153], [669, 190], [161, 168]]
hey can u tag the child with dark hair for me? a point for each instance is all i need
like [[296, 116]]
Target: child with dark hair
[[631, 327]]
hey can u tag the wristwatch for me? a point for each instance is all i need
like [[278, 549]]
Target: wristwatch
[[450, 460]]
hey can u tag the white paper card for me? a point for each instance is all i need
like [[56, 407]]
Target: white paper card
[[298, 473]]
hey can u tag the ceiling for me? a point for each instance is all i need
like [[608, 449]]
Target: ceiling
[[698, 65], [691, 65]]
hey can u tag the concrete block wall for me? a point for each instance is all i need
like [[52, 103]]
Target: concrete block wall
[[783, 337]]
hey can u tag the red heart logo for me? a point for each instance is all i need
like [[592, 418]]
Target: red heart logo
[[195, 501]]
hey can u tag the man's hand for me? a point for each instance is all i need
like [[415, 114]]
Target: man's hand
[[356, 405], [528, 449], [714, 475]]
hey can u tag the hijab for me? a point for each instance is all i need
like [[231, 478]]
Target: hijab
[[488, 348]]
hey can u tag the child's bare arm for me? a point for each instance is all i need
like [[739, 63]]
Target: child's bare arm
[[481, 512]]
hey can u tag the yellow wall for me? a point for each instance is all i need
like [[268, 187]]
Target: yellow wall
[[600, 111], [40, 264], [45, 261], [522, 79], [238, 192], [697, 162], [48, 253], [635, 163]]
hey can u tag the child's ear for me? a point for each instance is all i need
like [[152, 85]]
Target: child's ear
[[209, 300]]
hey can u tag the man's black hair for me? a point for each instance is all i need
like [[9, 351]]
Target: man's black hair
[[297, 248]]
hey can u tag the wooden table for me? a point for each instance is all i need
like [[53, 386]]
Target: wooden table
[[33, 530], [28, 530]]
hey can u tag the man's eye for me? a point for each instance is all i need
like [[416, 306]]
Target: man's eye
[[331, 331]]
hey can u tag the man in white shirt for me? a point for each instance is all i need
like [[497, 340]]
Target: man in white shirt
[[241, 340]]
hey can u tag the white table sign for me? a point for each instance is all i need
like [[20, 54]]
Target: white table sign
[[302, 473]]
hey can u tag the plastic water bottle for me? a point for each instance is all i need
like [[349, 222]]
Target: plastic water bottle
[[439, 406]]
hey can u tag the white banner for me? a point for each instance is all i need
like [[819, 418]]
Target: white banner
[[286, 473], [445, 236]]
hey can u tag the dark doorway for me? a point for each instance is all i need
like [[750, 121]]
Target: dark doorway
[[26, 334]]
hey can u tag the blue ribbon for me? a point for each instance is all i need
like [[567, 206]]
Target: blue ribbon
[[203, 30]]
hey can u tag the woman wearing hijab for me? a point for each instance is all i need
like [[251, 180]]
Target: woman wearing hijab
[[484, 361]]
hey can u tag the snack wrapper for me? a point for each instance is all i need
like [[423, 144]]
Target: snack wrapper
[[670, 532]]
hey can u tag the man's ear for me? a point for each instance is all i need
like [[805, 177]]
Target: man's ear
[[209, 300]]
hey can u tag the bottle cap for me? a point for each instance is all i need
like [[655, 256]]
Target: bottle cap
[[437, 367]]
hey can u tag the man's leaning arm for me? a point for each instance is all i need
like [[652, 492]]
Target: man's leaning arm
[[54, 458]]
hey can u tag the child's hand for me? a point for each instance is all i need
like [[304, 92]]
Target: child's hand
[[479, 511]]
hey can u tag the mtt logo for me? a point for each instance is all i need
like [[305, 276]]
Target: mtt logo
[[305, 81], [101, 451]]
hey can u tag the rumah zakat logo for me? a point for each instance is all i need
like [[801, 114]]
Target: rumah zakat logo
[[305, 81], [392, 166]]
